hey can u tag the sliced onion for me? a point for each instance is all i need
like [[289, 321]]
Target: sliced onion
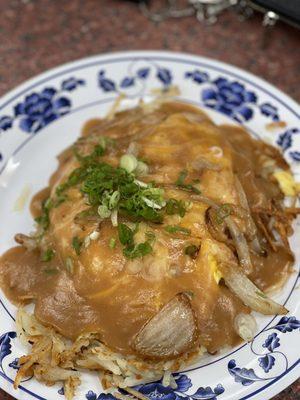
[[245, 326], [245, 290], [114, 217], [171, 332]]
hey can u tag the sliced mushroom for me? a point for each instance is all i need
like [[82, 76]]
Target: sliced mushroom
[[171, 332]]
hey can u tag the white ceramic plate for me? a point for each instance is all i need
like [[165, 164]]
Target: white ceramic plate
[[43, 116]]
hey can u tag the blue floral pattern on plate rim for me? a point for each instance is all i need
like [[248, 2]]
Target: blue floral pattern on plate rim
[[224, 92]]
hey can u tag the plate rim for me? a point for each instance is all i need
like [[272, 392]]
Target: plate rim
[[71, 65]]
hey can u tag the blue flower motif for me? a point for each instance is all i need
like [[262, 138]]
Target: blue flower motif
[[285, 140], [127, 82], [242, 375], [39, 109], [164, 75], [143, 73], [106, 84], [183, 382], [197, 76], [156, 391], [295, 155], [71, 84], [5, 123], [230, 98], [266, 362], [103, 396], [5, 346], [207, 393], [269, 110], [14, 364], [91, 395], [61, 391], [287, 324], [272, 342]]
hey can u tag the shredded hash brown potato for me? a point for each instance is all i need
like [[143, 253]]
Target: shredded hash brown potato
[[53, 358]]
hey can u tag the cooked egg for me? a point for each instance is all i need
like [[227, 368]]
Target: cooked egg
[[214, 268], [287, 182]]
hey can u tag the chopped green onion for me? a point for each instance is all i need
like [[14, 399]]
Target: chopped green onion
[[140, 250], [112, 243], [82, 216], [114, 199], [177, 229], [125, 235], [152, 204], [131, 250], [141, 169], [77, 245], [114, 217], [43, 220], [128, 162], [140, 183], [186, 186], [224, 211], [48, 255], [181, 178], [50, 271], [174, 206], [59, 200], [108, 188], [103, 211], [102, 142], [191, 250]]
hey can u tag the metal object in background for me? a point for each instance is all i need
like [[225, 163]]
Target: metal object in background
[[208, 10], [286, 10], [204, 10], [168, 10]]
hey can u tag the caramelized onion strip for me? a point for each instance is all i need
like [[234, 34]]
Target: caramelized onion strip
[[251, 227], [240, 244]]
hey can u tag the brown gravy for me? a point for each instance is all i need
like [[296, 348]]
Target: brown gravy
[[111, 296]]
